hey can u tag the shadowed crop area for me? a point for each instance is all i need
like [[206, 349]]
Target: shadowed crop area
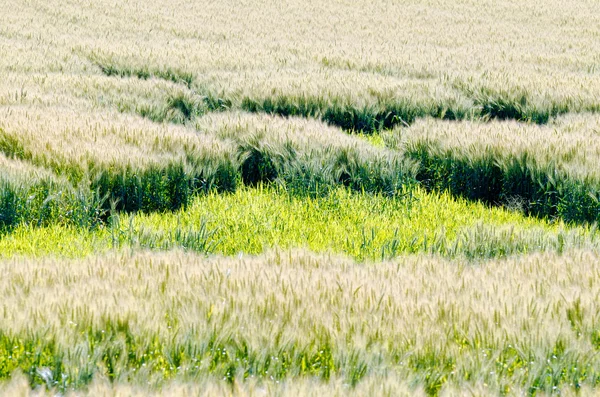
[[549, 171], [299, 197]]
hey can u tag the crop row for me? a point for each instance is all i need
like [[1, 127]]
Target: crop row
[[525, 324], [366, 111], [71, 165], [549, 171], [125, 163]]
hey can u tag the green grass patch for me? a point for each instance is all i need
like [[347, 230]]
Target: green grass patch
[[55, 240], [364, 226]]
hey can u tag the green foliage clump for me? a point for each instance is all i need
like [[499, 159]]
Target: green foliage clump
[[46, 202], [495, 178]]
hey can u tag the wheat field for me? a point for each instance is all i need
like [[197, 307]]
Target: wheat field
[[299, 198], [515, 325]]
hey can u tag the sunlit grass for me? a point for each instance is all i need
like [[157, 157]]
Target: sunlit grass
[[56, 240], [364, 226], [358, 225]]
